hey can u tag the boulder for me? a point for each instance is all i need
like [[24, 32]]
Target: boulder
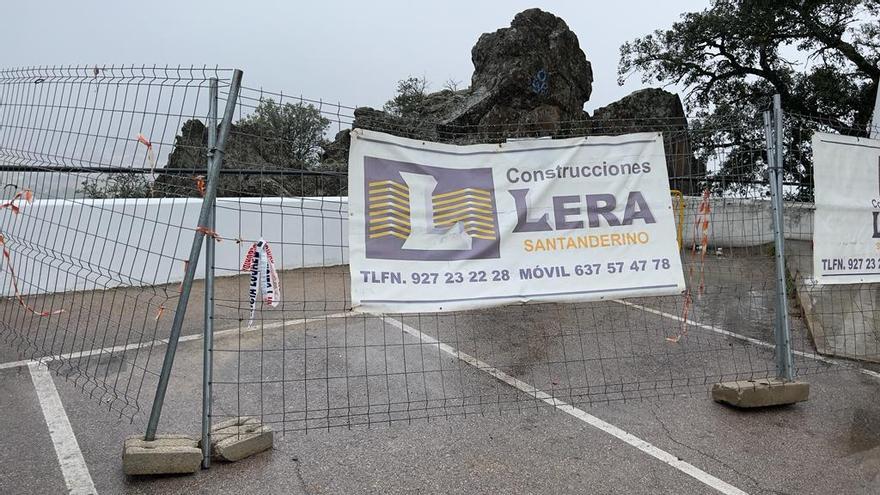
[[647, 105], [527, 79], [533, 71], [655, 110], [190, 152], [336, 151]]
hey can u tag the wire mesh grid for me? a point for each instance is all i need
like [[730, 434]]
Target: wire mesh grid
[[843, 320], [89, 262], [309, 363]]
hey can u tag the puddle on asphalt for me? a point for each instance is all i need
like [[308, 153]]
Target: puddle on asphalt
[[864, 431]]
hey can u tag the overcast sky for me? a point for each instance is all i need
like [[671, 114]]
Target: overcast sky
[[353, 52]]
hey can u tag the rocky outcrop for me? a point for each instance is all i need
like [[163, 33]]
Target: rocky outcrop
[[528, 78], [651, 104], [190, 152], [337, 150], [655, 110], [533, 71], [262, 170], [532, 79]]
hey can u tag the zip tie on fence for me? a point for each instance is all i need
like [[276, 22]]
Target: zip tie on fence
[[261, 265], [161, 309], [210, 233], [200, 185], [13, 277], [25, 195]]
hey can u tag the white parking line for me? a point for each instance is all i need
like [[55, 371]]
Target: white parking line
[[70, 458], [13, 364], [76, 472], [612, 430], [727, 333], [185, 338]]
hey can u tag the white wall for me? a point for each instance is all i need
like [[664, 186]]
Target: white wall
[[744, 222], [62, 245]]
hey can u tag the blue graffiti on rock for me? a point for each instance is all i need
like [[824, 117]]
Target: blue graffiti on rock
[[539, 83]]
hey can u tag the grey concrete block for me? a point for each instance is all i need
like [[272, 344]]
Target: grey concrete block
[[237, 438], [760, 393], [167, 454]]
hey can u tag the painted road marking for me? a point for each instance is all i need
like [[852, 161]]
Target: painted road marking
[[70, 458], [727, 333], [580, 414], [270, 326], [185, 338], [39, 373]]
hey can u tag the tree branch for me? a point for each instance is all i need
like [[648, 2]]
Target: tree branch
[[827, 35]]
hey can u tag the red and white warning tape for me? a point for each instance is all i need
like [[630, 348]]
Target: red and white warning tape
[[13, 204], [261, 265], [151, 157]]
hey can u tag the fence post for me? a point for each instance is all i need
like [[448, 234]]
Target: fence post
[[198, 238], [874, 129], [208, 337], [775, 158]]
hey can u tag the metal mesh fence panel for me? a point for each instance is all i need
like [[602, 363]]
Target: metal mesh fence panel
[[104, 172], [308, 363], [90, 261], [842, 319]]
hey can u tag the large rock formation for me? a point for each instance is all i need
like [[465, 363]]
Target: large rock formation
[[532, 79], [655, 110], [533, 71], [527, 79]]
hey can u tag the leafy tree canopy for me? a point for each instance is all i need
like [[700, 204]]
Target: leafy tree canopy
[[821, 57], [125, 185], [272, 137], [289, 135], [408, 102]]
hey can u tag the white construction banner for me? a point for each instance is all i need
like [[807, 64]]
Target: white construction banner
[[439, 227], [846, 233]]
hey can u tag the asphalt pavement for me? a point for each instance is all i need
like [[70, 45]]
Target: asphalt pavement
[[453, 403]]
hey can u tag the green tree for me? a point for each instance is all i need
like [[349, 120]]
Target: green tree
[[289, 135], [821, 57], [110, 186], [274, 139], [410, 98]]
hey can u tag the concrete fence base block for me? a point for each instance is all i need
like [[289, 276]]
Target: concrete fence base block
[[760, 393], [237, 438], [167, 454]]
